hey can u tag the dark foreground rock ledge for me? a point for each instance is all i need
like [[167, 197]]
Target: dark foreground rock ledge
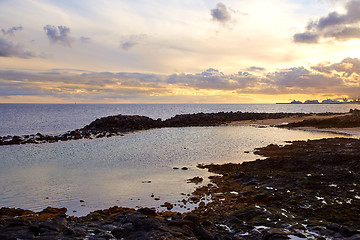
[[304, 190], [112, 223]]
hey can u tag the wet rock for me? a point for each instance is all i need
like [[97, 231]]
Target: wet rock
[[120, 232], [51, 212], [180, 223], [334, 227], [202, 234], [58, 224], [276, 234], [168, 205], [75, 232], [192, 218], [102, 235], [354, 237], [147, 211], [348, 231], [195, 180], [17, 223]]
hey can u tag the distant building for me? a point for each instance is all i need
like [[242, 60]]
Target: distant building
[[329, 101], [311, 102]]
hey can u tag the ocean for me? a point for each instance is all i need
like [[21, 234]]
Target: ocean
[[130, 170], [19, 119]]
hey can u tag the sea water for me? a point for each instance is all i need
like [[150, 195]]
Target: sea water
[[130, 170], [19, 119]]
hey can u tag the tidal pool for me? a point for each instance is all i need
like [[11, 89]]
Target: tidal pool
[[87, 175]]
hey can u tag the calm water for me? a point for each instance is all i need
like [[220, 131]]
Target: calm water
[[18, 119], [116, 171]]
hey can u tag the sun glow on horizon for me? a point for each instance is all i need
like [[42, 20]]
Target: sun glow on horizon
[[208, 52]]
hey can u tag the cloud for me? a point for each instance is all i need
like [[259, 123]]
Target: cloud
[[17, 89], [342, 78], [256, 69], [344, 34], [213, 79], [11, 30], [346, 67], [58, 34], [335, 25], [306, 37], [220, 13], [8, 49], [128, 44], [302, 78], [85, 39], [96, 85], [131, 41]]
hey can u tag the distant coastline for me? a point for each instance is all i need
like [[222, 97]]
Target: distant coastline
[[327, 101]]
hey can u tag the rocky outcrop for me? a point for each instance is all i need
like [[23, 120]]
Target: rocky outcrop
[[349, 121], [120, 124], [214, 119]]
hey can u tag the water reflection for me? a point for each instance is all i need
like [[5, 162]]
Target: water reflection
[[115, 171]]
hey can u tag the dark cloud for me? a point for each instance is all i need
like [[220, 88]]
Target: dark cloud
[[10, 31], [344, 34], [8, 49], [256, 69], [58, 34], [220, 13], [306, 37], [335, 25]]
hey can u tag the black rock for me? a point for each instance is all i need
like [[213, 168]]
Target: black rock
[[147, 211], [202, 234]]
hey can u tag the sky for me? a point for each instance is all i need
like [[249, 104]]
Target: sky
[[172, 51]]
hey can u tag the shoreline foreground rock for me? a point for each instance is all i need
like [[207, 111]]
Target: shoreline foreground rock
[[121, 124], [303, 190]]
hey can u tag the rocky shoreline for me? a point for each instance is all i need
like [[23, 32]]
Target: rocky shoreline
[[304, 190], [349, 121], [121, 124]]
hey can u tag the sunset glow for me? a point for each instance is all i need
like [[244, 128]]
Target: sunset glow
[[178, 51]]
